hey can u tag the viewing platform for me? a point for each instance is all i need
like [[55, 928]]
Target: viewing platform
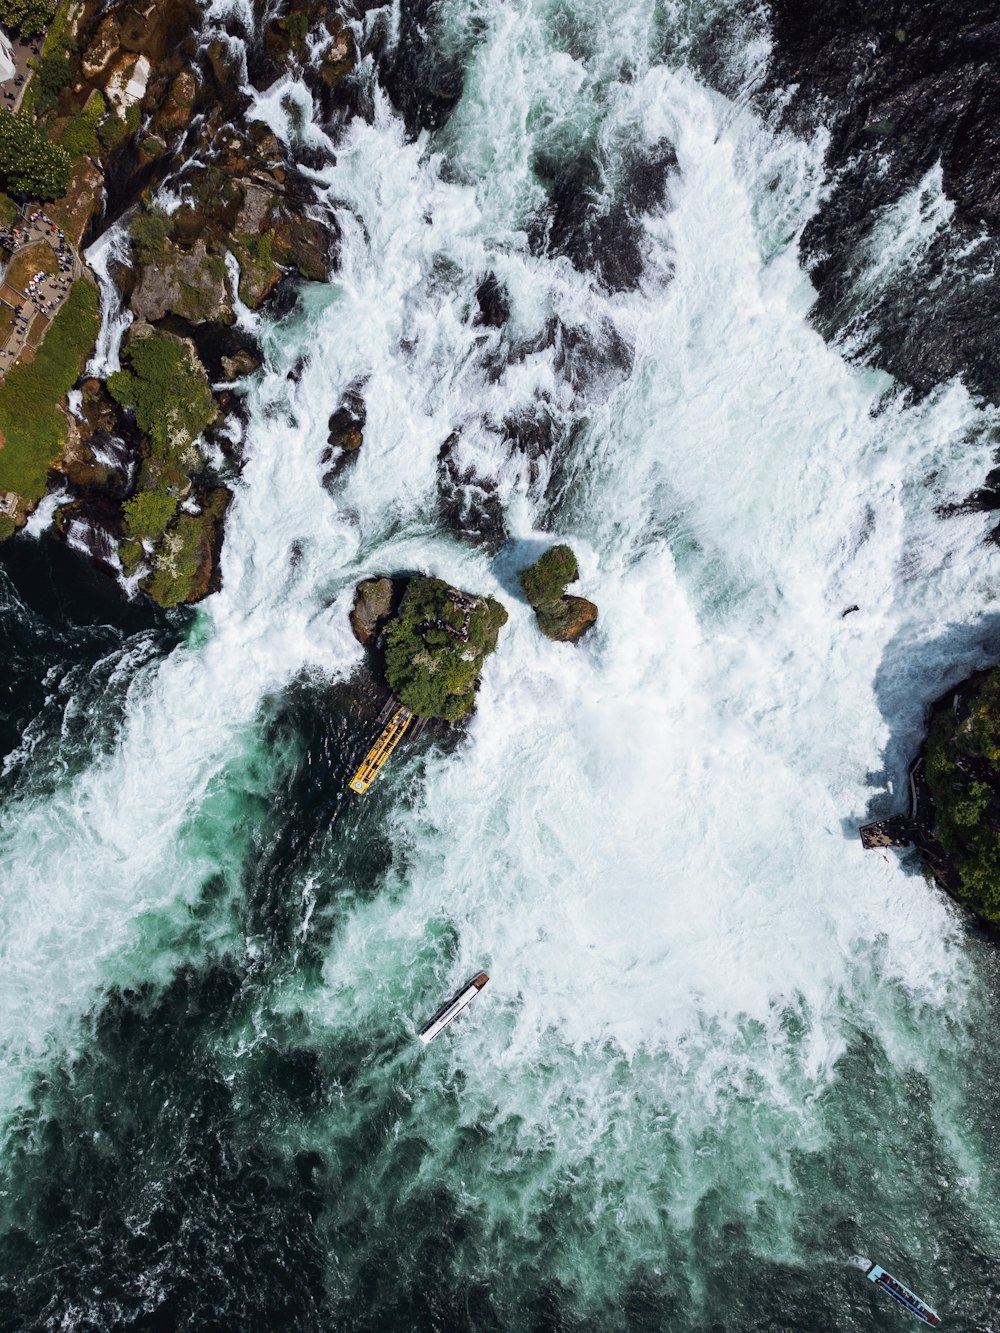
[[895, 831], [374, 761]]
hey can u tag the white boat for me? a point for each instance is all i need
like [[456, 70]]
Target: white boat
[[453, 1008], [904, 1295]]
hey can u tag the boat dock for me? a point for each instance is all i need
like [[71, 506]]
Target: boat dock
[[374, 761]]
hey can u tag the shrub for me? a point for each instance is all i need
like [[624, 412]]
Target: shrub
[[545, 581], [963, 775], [27, 17], [7, 527], [298, 26], [111, 131], [147, 514], [166, 385], [29, 164], [150, 233], [431, 670], [79, 137], [52, 77]]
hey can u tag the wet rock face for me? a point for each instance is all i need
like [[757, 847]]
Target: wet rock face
[[902, 89], [190, 283], [375, 602], [575, 616], [347, 423], [598, 223], [493, 303], [424, 83]]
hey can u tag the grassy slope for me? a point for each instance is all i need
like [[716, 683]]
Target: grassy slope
[[33, 427]]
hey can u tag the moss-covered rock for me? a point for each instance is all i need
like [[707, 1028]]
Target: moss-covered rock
[[559, 616], [436, 645], [963, 776], [185, 560], [190, 283]]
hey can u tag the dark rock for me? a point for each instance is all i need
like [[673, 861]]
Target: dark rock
[[241, 363], [494, 307], [469, 503], [376, 601], [422, 74], [347, 423], [595, 220], [901, 90]]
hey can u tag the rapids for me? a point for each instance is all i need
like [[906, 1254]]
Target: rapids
[[722, 1049]]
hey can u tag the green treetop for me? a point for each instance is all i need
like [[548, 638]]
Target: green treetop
[[27, 17], [29, 164], [167, 386], [545, 581]]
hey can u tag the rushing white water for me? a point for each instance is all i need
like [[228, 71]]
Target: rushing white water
[[110, 248], [648, 839]]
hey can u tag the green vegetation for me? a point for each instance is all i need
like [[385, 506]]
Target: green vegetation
[[79, 136], [258, 268], [545, 581], [32, 425], [298, 26], [29, 164], [963, 774], [148, 513], [433, 671], [131, 554], [150, 233], [182, 563], [53, 71], [27, 17], [544, 584], [8, 210], [7, 527], [166, 385], [111, 131]]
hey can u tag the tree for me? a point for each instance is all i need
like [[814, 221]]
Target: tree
[[27, 17], [432, 671], [148, 513], [29, 164], [167, 386]]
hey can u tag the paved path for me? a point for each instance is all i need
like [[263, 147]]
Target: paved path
[[43, 295], [22, 50]]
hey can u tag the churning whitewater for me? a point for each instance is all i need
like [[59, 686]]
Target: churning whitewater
[[722, 1051]]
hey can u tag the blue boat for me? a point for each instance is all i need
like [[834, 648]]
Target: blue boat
[[904, 1295]]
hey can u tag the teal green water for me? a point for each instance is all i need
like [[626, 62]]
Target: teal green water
[[722, 1052]]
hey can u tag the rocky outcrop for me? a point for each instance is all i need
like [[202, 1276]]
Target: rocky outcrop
[[189, 283], [956, 821], [375, 602], [560, 616], [901, 91]]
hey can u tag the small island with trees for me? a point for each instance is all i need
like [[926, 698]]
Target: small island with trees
[[559, 615], [435, 640]]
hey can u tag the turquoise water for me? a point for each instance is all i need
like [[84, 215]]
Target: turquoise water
[[722, 1052]]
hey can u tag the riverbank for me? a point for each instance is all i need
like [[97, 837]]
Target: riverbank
[[139, 103]]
